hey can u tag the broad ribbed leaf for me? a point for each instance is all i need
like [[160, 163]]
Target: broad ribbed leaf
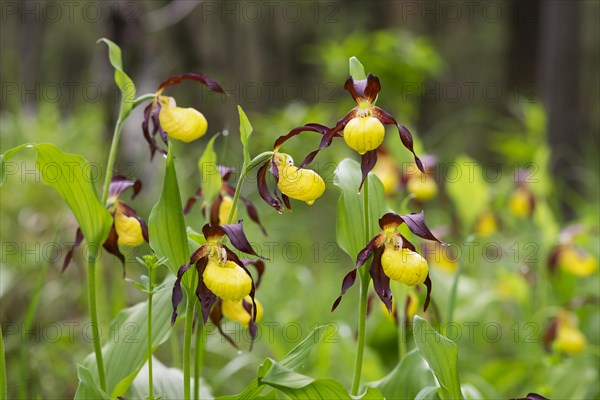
[[407, 378], [295, 359], [70, 175], [209, 173], [125, 352], [441, 354], [123, 81], [166, 225], [302, 387], [350, 231], [88, 389]]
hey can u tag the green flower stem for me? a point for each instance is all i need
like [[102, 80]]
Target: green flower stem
[[236, 196], [94, 316], [454, 289], [112, 155], [401, 313], [187, 345], [150, 295], [363, 297], [3, 390], [199, 349]]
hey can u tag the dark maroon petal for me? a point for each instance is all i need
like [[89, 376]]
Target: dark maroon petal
[[368, 161], [119, 184], [201, 78], [533, 396], [258, 264], [177, 295], [356, 88], [205, 296], [74, 246], [552, 258], [212, 232], [381, 282], [238, 239], [199, 254], [216, 315], [347, 283], [416, 224], [328, 138], [286, 201], [372, 89], [225, 172], [428, 296], [253, 213], [390, 220], [405, 135], [144, 227], [149, 136], [156, 121], [406, 244], [322, 129], [112, 246], [214, 210], [263, 189], [192, 200], [377, 241]]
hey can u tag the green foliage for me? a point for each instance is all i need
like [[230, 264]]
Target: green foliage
[[245, 132], [123, 81], [442, 356], [350, 229], [88, 388], [126, 351], [70, 175], [407, 378], [209, 173], [166, 225]]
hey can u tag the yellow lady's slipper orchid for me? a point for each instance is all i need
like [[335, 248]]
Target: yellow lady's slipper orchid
[[576, 261], [364, 134], [423, 187], [129, 230], [185, 124], [486, 224], [394, 257], [569, 339], [404, 265], [235, 310], [225, 209], [227, 280], [520, 203]]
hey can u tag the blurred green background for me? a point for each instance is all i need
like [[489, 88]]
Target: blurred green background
[[510, 84]]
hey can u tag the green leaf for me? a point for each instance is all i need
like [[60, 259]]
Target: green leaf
[[88, 388], [70, 175], [295, 359], [468, 191], [302, 387], [350, 231], [123, 81], [167, 383], [125, 352], [441, 354], [357, 71], [166, 225], [245, 132], [209, 172], [407, 378]]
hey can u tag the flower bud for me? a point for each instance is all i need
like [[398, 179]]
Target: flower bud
[[129, 230], [404, 265], [228, 281], [225, 209], [576, 261], [519, 203], [364, 134], [422, 187], [235, 311], [300, 184], [185, 124]]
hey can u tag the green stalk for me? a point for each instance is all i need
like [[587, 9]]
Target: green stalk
[[236, 195], [3, 390], [94, 317], [187, 345], [454, 289], [150, 294], [363, 297], [112, 155], [401, 312], [199, 360]]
